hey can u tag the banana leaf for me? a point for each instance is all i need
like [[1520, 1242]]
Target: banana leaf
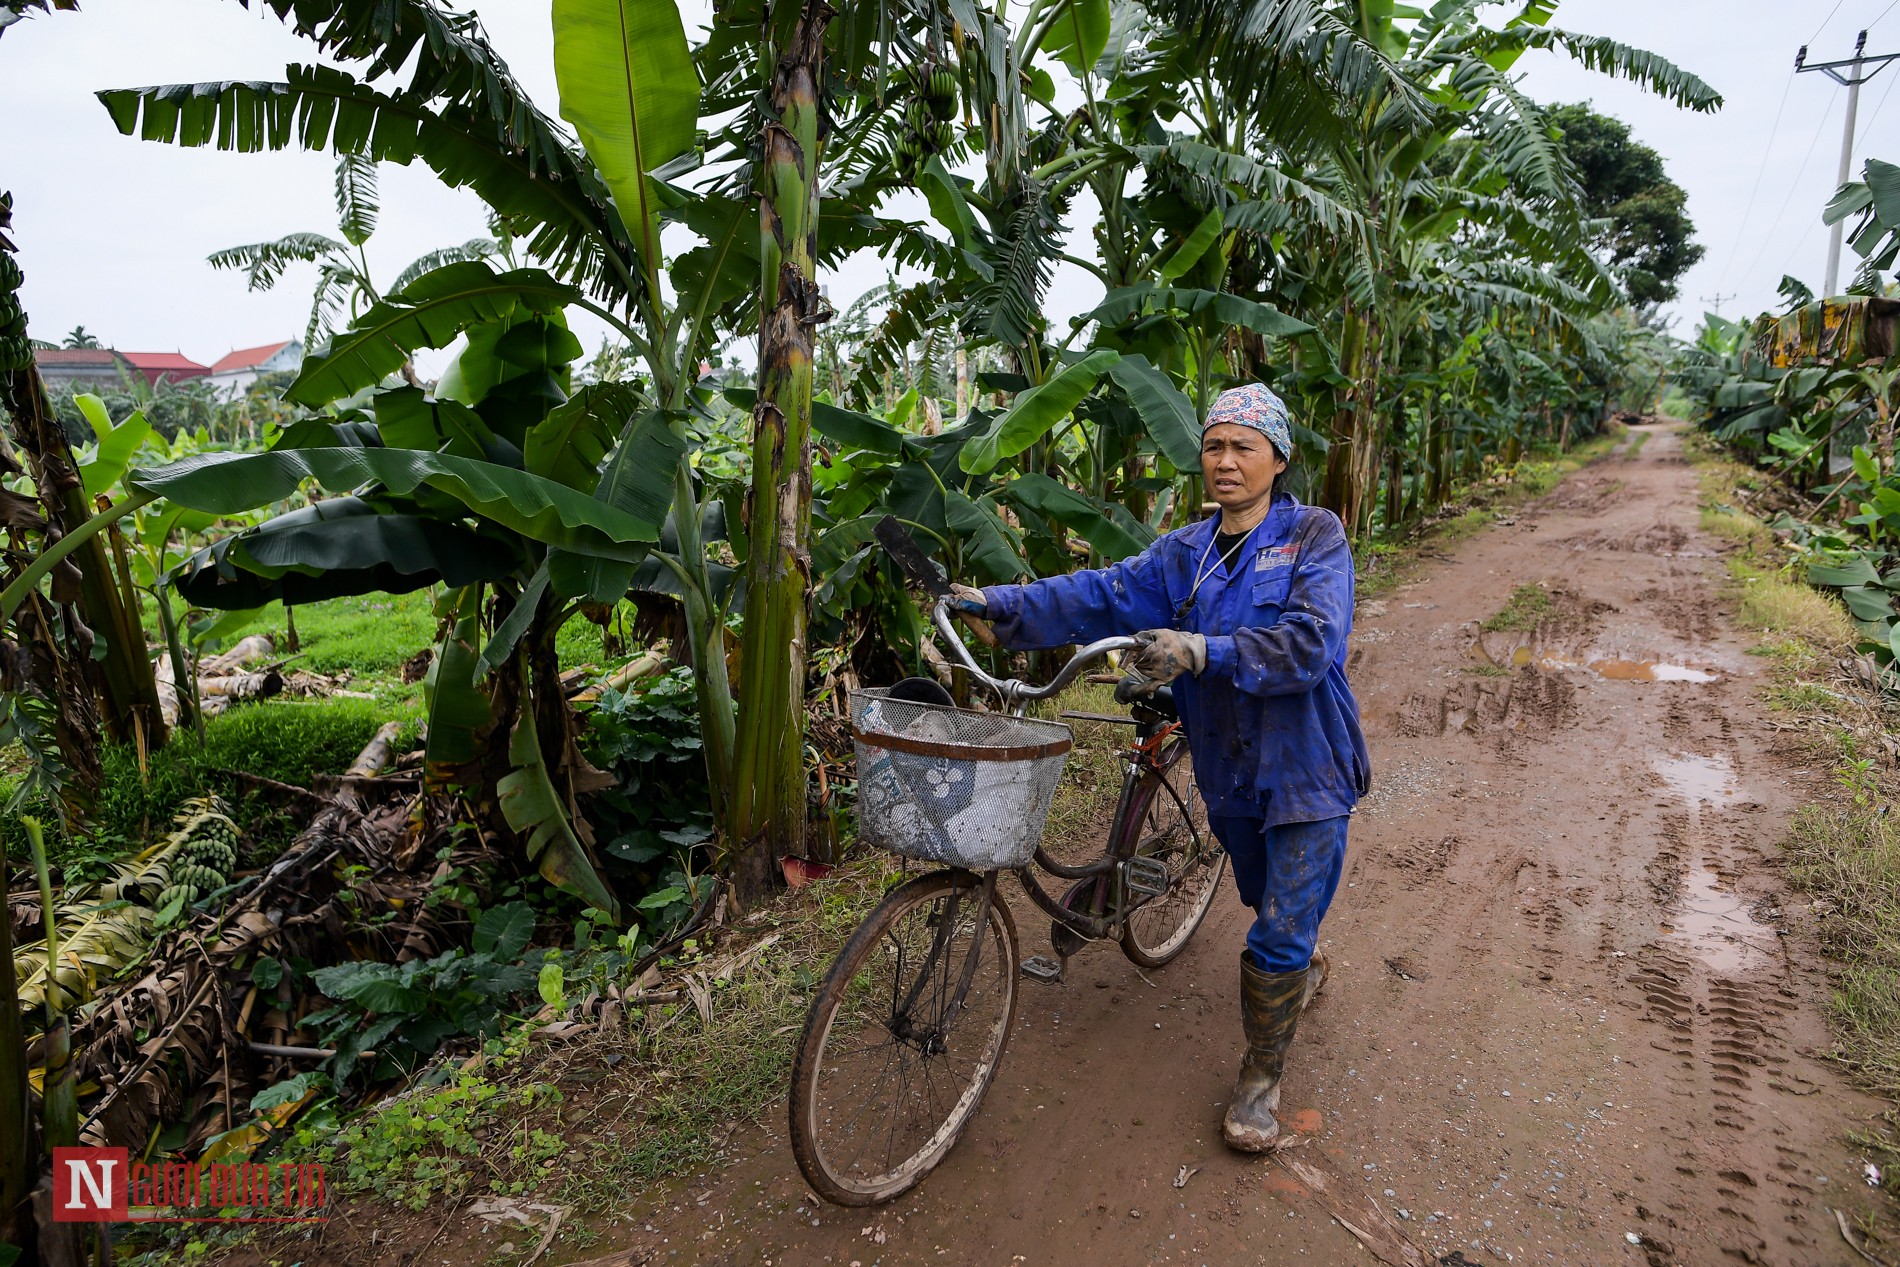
[[517, 160], [117, 445], [1078, 33], [985, 538], [1036, 412], [1081, 515], [337, 548], [538, 508], [1165, 411], [533, 806], [508, 630], [847, 427], [629, 87], [458, 708], [429, 313], [1211, 310], [326, 433], [637, 481], [1192, 247], [572, 441], [407, 418]]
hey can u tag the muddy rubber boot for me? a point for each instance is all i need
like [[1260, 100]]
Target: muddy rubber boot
[[1315, 977], [1270, 1005]]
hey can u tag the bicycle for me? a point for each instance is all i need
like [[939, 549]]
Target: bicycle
[[908, 1029]]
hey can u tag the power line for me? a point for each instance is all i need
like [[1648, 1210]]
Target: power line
[[1824, 21], [1793, 186], [1883, 13], [1861, 69], [1742, 229], [1878, 107]]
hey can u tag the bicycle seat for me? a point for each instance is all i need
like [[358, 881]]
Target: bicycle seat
[[1160, 701]]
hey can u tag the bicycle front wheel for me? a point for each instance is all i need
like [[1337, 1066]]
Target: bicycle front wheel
[[1173, 830], [898, 1051]]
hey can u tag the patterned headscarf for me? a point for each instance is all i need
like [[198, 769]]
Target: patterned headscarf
[[1254, 406]]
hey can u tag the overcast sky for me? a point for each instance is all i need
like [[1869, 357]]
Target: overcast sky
[[114, 231]]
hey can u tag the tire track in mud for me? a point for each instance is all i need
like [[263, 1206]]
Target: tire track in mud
[[1573, 1020], [1632, 881]]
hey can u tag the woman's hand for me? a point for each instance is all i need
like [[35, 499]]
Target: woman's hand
[[965, 598], [1163, 655]]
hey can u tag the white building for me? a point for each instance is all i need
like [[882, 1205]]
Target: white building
[[234, 372]]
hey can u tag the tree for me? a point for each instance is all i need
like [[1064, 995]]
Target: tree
[[1650, 236], [80, 338], [768, 814]]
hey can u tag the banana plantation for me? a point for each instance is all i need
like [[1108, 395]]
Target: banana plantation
[[253, 889]]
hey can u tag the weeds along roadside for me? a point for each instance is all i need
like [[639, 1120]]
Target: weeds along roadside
[[1843, 848], [600, 1103]]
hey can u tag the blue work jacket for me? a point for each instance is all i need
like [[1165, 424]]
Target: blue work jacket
[[1272, 724]]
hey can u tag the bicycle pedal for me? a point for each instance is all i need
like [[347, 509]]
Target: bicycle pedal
[[1042, 968], [1145, 875]]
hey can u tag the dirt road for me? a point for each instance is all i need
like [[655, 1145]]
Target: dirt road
[[1575, 1018]]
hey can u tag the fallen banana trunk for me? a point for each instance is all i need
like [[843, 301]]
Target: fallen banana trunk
[[370, 762], [255, 649], [626, 675], [215, 693]]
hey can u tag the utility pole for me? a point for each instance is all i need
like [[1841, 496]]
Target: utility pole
[[1862, 68]]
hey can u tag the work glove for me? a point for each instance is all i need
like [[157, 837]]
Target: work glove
[[1162, 655], [965, 598]]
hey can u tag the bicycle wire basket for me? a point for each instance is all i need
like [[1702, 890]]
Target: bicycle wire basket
[[953, 786]]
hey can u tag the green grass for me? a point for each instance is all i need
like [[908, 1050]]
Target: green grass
[[1843, 849], [1529, 604], [1637, 442], [367, 635], [1849, 854]]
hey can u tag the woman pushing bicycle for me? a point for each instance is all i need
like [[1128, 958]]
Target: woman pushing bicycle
[[1247, 615]]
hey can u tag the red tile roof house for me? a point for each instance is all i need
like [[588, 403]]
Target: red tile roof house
[[233, 373], [82, 368], [165, 367]]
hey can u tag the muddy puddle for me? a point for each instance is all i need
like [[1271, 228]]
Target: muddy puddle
[[1712, 923], [1617, 670], [1698, 779], [1716, 927]]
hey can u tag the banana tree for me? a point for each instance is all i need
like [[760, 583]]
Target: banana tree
[[343, 273], [502, 488], [631, 88], [85, 632], [1422, 139]]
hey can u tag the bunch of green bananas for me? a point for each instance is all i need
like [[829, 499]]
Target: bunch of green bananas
[[927, 117], [206, 852], [16, 351]]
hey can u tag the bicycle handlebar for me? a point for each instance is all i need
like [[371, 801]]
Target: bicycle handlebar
[[1015, 693]]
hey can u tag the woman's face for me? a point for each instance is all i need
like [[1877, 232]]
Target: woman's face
[[1239, 465]]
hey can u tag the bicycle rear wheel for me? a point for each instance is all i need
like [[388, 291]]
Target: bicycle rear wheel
[[1173, 830], [892, 1065]]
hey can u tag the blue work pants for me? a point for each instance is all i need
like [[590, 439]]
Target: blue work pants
[[1286, 875]]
